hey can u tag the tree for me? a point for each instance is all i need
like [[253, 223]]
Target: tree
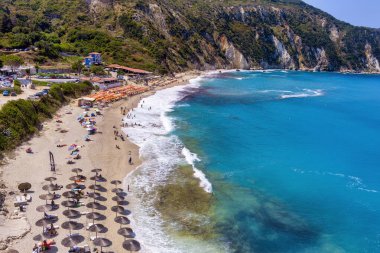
[[13, 61], [77, 67], [37, 67], [97, 70]]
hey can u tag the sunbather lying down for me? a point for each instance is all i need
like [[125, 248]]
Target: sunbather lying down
[[61, 145]]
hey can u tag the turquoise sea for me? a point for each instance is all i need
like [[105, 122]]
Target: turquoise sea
[[293, 159]]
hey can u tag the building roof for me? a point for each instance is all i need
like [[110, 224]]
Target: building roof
[[97, 79], [136, 71], [94, 53]]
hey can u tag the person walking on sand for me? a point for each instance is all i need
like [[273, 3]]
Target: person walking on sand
[[130, 160]]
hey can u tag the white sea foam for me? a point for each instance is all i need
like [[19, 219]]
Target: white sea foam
[[191, 158], [303, 94], [351, 181], [149, 127]]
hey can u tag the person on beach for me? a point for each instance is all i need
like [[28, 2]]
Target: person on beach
[[130, 160]]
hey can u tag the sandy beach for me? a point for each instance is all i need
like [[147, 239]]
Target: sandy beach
[[18, 230]]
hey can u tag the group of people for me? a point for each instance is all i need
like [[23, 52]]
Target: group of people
[[42, 247]]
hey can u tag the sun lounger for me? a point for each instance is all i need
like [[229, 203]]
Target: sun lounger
[[28, 198], [20, 200]]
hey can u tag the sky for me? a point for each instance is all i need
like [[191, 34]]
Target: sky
[[356, 12]]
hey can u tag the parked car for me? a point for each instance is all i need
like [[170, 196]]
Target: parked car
[[6, 93], [39, 94], [13, 94], [45, 91]]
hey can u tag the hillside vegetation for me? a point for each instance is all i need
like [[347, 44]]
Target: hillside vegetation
[[174, 35]]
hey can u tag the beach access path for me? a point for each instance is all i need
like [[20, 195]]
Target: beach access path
[[101, 152]]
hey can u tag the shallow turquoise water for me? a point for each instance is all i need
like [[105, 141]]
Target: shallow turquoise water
[[293, 158]]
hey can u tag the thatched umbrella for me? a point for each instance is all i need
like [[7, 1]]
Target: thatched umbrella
[[115, 182], [45, 208], [72, 214], [47, 197], [102, 242], [71, 225], [96, 170], [23, 187], [95, 216], [122, 220], [68, 203], [45, 222], [98, 179], [72, 241], [94, 205], [131, 245], [97, 228], [126, 232], [97, 187], [117, 190], [50, 187], [118, 198], [69, 194], [94, 195], [77, 178], [50, 179], [117, 209], [77, 170]]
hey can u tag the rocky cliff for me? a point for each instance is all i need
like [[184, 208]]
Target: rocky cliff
[[176, 34]]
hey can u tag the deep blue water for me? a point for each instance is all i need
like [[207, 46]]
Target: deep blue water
[[293, 157]]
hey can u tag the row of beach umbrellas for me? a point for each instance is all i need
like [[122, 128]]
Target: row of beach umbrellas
[[71, 225]]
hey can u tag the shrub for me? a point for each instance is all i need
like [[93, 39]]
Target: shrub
[[19, 119]]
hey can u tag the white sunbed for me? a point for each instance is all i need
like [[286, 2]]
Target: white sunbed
[[20, 200]]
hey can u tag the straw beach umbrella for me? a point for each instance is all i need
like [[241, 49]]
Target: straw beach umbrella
[[118, 198], [47, 197], [122, 220], [72, 241], [95, 216], [77, 170], [131, 245], [68, 203], [96, 170], [117, 209], [71, 225], [50, 179], [72, 214], [45, 222], [94, 205], [97, 228], [115, 182], [98, 179], [102, 242], [126, 232], [94, 195], [97, 187], [69, 194], [117, 190], [46, 208], [50, 187]]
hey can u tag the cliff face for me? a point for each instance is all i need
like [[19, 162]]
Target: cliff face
[[174, 35], [267, 35]]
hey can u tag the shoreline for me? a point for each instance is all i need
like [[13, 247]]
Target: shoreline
[[99, 153]]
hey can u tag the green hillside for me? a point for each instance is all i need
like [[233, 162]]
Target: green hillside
[[174, 35]]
